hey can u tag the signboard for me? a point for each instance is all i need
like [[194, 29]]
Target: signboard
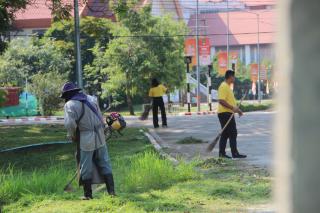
[[222, 62], [254, 88], [263, 73], [234, 60], [204, 51], [190, 47], [234, 57], [254, 72]]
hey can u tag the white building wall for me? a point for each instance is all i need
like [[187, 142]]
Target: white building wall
[[247, 54], [25, 33]]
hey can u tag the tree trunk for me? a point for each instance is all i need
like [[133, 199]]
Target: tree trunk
[[130, 105], [181, 101], [169, 104], [129, 96]]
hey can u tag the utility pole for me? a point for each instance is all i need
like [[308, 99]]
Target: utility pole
[[197, 55], [188, 60], [259, 81], [77, 44], [27, 106], [258, 54], [228, 34], [209, 87]]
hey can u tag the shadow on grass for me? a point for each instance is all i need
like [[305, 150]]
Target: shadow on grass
[[15, 136]]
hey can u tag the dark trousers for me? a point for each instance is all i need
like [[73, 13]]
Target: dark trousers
[[229, 133], [157, 102]]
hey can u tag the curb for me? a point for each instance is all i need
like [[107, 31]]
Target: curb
[[159, 149], [197, 113], [32, 119]]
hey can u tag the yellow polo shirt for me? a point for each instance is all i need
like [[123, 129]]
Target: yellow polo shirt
[[225, 93], [158, 91]]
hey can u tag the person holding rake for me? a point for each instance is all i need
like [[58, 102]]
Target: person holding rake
[[226, 109]]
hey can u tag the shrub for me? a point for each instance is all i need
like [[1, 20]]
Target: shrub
[[3, 95], [46, 87], [255, 107]]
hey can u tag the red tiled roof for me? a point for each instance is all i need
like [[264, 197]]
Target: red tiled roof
[[38, 15], [259, 2], [242, 27], [247, 2], [98, 8]]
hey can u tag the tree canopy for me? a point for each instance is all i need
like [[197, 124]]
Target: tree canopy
[[143, 47], [25, 58]]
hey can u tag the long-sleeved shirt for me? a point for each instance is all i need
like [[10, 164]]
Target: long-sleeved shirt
[[91, 128]]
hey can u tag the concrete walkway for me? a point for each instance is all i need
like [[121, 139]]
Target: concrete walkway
[[254, 136]]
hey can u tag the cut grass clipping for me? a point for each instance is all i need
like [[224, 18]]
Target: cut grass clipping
[[190, 140]]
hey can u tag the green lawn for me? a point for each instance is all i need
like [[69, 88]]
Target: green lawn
[[14, 136], [33, 180]]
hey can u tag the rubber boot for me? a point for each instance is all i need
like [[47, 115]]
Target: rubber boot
[[109, 184], [87, 190]]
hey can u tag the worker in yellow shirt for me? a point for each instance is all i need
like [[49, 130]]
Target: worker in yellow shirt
[[227, 106], [156, 92]]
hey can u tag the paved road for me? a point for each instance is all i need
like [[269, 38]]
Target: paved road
[[254, 136]]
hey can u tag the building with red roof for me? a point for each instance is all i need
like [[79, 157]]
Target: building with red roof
[[37, 17], [243, 32]]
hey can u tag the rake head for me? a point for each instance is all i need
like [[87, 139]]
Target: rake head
[[213, 143], [68, 188]]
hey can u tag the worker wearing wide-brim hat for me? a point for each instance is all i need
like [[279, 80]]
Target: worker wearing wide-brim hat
[[82, 114]]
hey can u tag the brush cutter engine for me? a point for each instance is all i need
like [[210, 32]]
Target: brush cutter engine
[[115, 122]]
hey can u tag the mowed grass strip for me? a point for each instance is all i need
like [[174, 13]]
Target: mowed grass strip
[[15, 136]]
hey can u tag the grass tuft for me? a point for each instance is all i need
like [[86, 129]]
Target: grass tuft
[[16, 184], [149, 170], [190, 140]]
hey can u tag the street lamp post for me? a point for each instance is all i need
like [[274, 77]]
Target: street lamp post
[[188, 60], [228, 34], [27, 106], [209, 87], [77, 44], [258, 54], [197, 55], [259, 81]]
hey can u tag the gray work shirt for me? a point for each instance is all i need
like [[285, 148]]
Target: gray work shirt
[[91, 128]]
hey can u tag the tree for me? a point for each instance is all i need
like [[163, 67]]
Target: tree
[[25, 58], [129, 67], [47, 87], [95, 33], [60, 10], [144, 47], [7, 10]]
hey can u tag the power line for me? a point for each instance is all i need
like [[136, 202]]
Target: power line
[[155, 36]]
